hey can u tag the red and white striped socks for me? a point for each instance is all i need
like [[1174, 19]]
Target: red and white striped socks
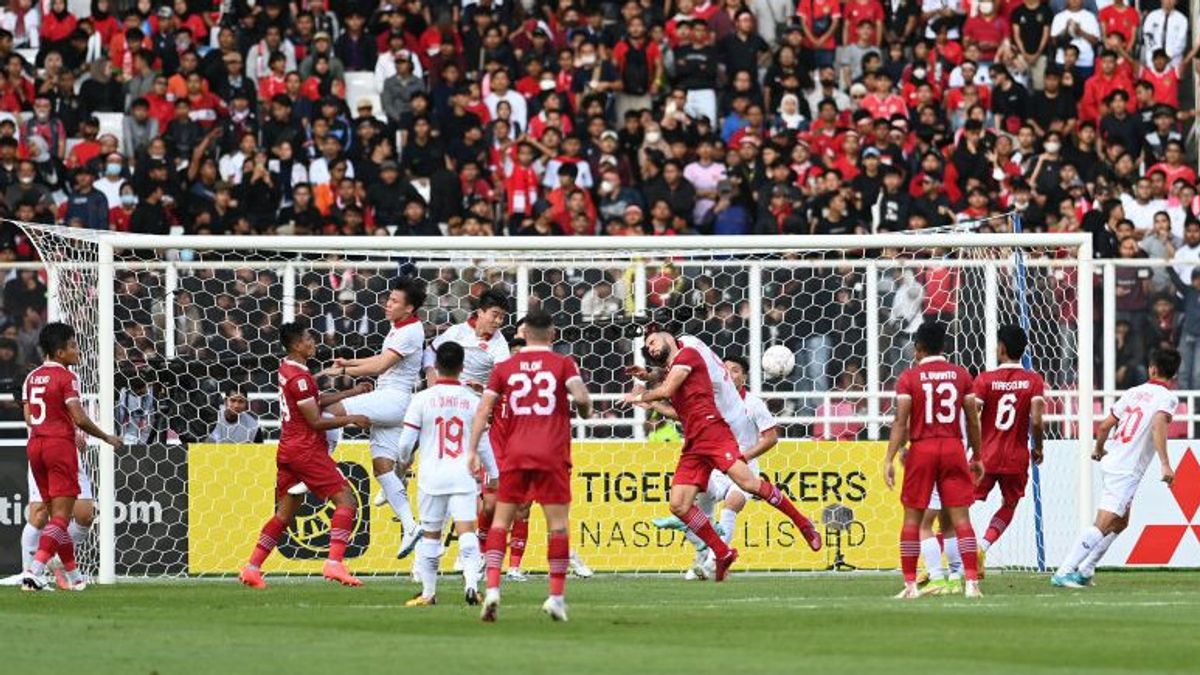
[[910, 551], [268, 539], [697, 522], [340, 526]]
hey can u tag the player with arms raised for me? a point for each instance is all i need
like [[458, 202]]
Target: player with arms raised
[[303, 456], [398, 368], [438, 417], [1141, 419], [1010, 408], [931, 398], [537, 452], [53, 412], [716, 427]]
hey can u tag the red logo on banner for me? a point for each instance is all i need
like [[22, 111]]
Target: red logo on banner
[[1158, 543]]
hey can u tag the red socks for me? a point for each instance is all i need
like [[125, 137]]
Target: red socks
[[910, 550], [268, 539], [558, 554], [999, 524], [483, 523], [697, 522], [493, 553], [771, 495], [339, 532], [516, 544], [55, 540], [968, 550]]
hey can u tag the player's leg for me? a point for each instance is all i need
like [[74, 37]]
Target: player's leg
[[428, 554], [516, 544], [954, 559], [752, 483], [1087, 569], [691, 475], [497, 538], [462, 508], [966, 550], [931, 548], [1012, 488], [385, 408], [735, 501], [39, 515], [1090, 541], [558, 554], [910, 549], [957, 490], [920, 470], [271, 532], [55, 468], [340, 527]]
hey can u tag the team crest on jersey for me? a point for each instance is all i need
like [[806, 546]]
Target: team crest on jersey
[[308, 537]]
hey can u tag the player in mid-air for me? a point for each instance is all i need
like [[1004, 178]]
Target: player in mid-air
[[303, 456], [1011, 404], [716, 427], [537, 386], [54, 413], [438, 417], [1132, 434], [720, 488], [397, 369], [931, 398]]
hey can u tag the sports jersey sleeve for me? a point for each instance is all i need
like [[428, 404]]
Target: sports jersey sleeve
[[979, 388], [688, 358], [1037, 388], [408, 440], [301, 388], [70, 388], [570, 371], [1168, 403], [404, 341], [1119, 407], [761, 416], [429, 356], [412, 414], [495, 383], [904, 385]]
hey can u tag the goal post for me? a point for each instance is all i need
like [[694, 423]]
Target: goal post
[[741, 293]]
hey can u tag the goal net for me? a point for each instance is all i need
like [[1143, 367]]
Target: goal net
[[171, 326]]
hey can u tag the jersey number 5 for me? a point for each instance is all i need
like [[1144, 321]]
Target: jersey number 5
[[37, 406], [532, 395], [947, 402]]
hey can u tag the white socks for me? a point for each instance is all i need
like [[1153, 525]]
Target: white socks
[[468, 547], [1088, 540], [397, 497], [29, 544], [728, 523], [953, 557], [78, 533], [984, 545], [932, 553], [429, 554], [1088, 567]]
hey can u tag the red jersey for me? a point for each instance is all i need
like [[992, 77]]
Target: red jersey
[[537, 427], [47, 391], [708, 403], [862, 12], [937, 389], [296, 437], [1006, 397], [1123, 20]]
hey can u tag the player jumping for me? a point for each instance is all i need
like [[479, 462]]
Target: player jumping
[[715, 428], [303, 456], [53, 413], [398, 368], [537, 452], [438, 418], [1141, 419], [938, 393], [1010, 408]]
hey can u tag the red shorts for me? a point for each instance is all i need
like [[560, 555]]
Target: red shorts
[[937, 462], [697, 464], [1012, 486], [315, 469], [525, 486], [55, 466], [496, 437]]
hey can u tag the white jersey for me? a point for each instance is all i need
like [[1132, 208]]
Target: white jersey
[[440, 418], [1130, 446], [762, 418], [407, 339], [728, 399], [480, 354]]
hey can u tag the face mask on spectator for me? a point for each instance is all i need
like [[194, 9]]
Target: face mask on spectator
[[589, 60], [26, 180], [128, 200], [986, 7], [653, 136], [607, 186], [918, 74], [1052, 147], [112, 169]]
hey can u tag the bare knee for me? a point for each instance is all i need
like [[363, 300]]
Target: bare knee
[[735, 501], [383, 466], [343, 498], [39, 515], [85, 512], [680, 505]]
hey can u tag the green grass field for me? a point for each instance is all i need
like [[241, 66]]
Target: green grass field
[[1130, 622]]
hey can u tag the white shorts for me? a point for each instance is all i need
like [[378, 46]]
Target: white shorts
[[720, 484], [385, 408], [85, 486], [935, 501], [1116, 493], [435, 509]]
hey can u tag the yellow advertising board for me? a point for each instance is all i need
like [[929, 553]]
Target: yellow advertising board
[[619, 487]]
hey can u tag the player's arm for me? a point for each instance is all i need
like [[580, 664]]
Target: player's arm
[[1102, 433], [312, 416], [1037, 428], [479, 425], [897, 439], [329, 398], [766, 440], [85, 423], [974, 435], [674, 379], [368, 367], [1158, 434], [581, 396], [408, 440]]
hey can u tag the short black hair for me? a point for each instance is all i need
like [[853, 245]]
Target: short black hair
[[413, 289], [1014, 340], [931, 337], [1165, 361], [290, 333], [538, 323], [741, 360], [514, 343], [492, 298], [449, 358], [55, 336]]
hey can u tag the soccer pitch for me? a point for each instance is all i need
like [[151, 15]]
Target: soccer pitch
[[1130, 622]]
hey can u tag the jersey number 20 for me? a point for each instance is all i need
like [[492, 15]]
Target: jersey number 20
[[532, 395]]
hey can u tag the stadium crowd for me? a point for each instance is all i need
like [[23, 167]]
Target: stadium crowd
[[541, 118]]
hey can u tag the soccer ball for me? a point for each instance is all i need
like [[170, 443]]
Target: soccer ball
[[777, 362]]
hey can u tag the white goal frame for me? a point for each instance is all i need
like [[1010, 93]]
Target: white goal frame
[[108, 243]]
